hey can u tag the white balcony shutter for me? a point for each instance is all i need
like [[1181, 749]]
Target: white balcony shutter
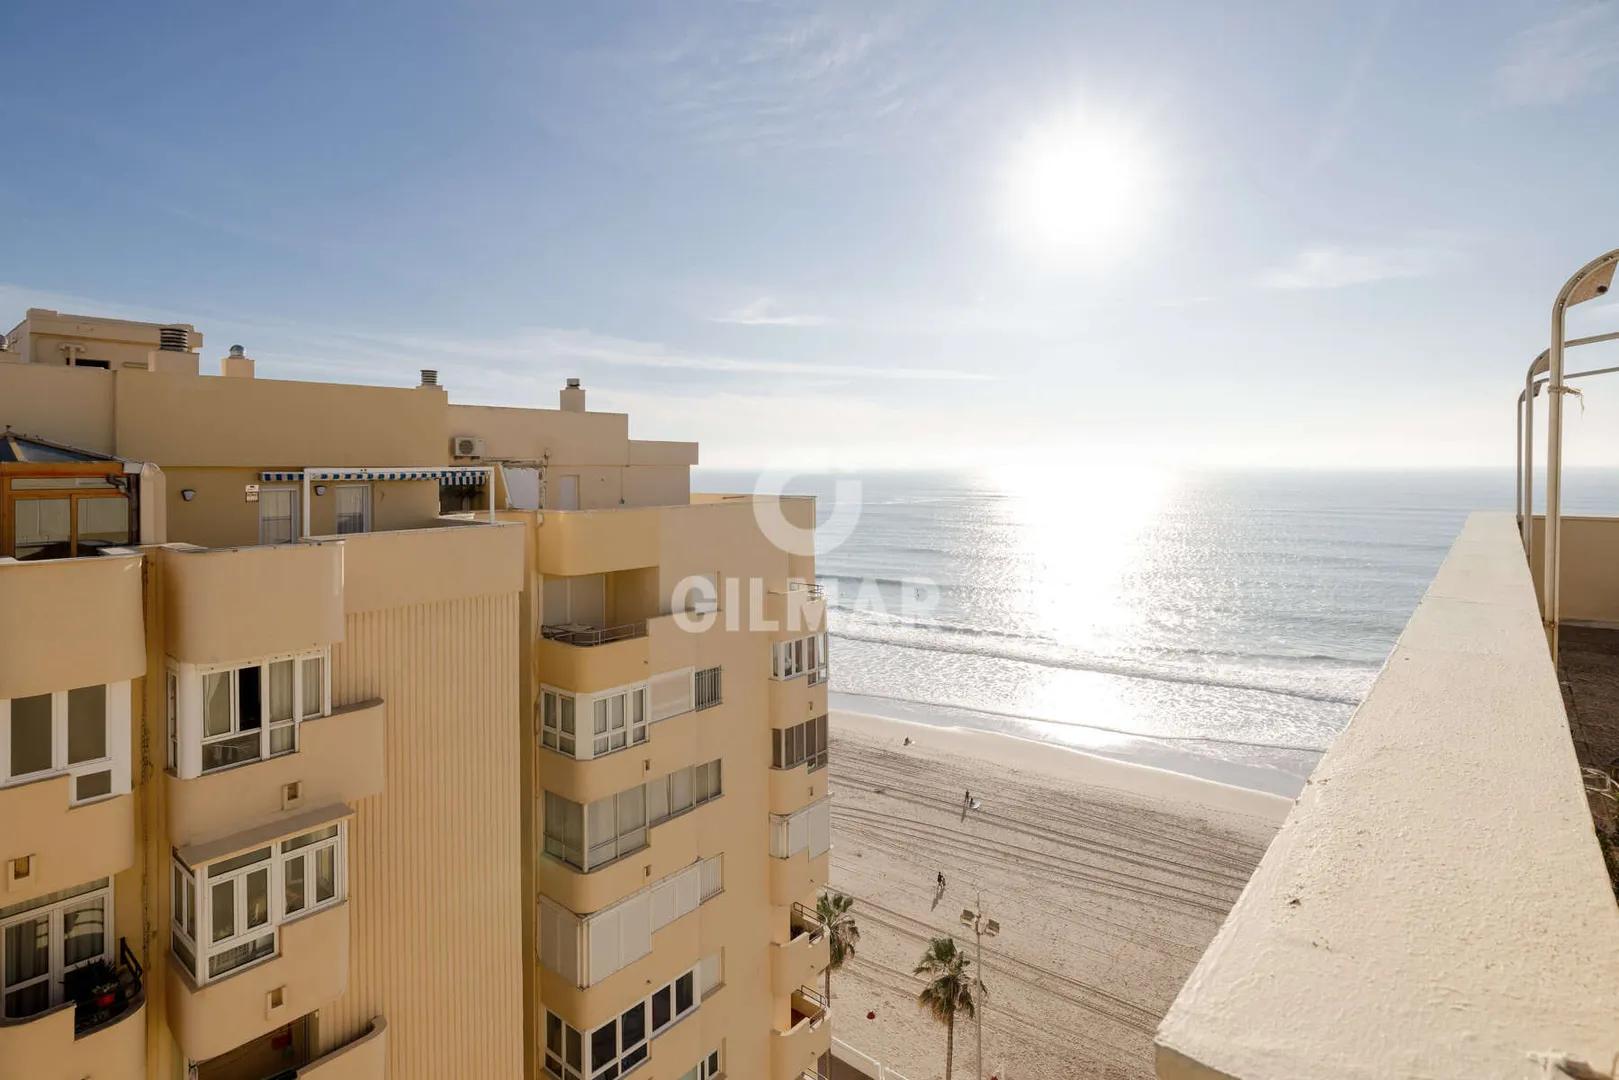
[[602, 945], [689, 889], [797, 832], [561, 940], [778, 835], [713, 876], [820, 828], [708, 973], [635, 928], [663, 904], [671, 693]]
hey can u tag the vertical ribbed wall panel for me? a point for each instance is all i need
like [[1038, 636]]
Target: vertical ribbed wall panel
[[434, 870]]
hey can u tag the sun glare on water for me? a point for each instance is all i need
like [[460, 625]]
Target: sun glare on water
[[1079, 187]]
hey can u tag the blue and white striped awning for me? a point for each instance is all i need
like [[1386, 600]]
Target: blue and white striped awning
[[447, 477]]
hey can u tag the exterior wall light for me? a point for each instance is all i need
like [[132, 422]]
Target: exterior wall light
[[188, 494], [320, 489]]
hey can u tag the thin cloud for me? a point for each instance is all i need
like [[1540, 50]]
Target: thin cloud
[[766, 312], [1338, 268], [1574, 53]]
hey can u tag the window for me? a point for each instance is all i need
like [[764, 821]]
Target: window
[[44, 939], [708, 688], [353, 508], [278, 515], [252, 711], [618, 719], [706, 1069], [225, 915], [616, 1047], [806, 654], [83, 732], [588, 950], [809, 829], [616, 825], [806, 742]]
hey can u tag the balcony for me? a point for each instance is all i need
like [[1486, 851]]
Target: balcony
[[586, 636], [1395, 927], [792, 701], [310, 968], [65, 844], [339, 760], [575, 542], [228, 603], [71, 622], [797, 1048], [366, 1058], [672, 844], [803, 957], [104, 1037], [793, 789], [797, 877]]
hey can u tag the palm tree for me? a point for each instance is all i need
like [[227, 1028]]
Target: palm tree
[[842, 934], [948, 992]]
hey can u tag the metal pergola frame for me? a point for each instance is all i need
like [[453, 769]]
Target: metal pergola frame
[[1590, 282]]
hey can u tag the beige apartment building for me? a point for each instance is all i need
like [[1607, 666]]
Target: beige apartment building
[[348, 733]]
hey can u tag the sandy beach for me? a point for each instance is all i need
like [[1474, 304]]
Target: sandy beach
[[1108, 880]]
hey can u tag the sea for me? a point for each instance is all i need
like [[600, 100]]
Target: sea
[[1219, 623]]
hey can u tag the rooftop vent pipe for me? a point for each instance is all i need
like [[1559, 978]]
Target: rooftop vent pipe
[[173, 339], [573, 397], [429, 378]]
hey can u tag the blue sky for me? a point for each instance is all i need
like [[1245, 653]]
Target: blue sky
[[788, 231]]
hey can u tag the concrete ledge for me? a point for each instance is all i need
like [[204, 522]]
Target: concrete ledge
[[237, 603], [339, 760], [44, 1047], [1436, 904], [310, 969], [366, 1058], [70, 622], [68, 845]]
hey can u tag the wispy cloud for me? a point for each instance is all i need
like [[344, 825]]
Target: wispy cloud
[[1567, 56], [1337, 267], [767, 312]]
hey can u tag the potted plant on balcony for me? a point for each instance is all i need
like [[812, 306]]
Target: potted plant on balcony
[[95, 991]]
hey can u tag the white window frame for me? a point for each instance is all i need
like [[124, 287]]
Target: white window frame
[[718, 698], [337, 508], [800, 656], [793, 833], [615, 729], [625, 1057], [56, 968], [191, 898], [706, 1069], [192, 681], [115, 740], [295, 499], [799, 744], [657, 806]]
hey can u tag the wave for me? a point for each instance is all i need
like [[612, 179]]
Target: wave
[[1131, 732], [1104, 666]]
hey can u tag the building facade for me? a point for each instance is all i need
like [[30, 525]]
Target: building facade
[[345, 732]]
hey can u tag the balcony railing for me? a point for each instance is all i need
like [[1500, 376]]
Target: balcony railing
[[572, 634], [804, 920], [108, 994], [808, 1006]]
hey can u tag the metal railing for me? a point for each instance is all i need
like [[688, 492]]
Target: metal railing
[[570, 634], [112, 998], [808, 1005], [805, 920]]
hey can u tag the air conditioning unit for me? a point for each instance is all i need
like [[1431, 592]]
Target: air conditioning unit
[[466, 446]]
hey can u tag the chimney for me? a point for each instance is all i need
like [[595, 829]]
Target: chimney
[[573, 397], [429, 379], [238, 365]]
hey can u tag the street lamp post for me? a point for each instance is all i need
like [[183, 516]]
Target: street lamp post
[[982, 926]]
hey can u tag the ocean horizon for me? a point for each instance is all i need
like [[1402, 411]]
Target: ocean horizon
[[1222, 623]]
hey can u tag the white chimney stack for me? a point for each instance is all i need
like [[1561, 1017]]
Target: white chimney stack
[[573, 397]]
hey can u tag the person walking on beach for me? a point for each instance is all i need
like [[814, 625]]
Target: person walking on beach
[[941, 881]]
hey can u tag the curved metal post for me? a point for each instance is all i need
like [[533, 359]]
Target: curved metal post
[[1591, 281]]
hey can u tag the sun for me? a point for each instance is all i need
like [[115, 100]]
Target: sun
[[1080, 186]]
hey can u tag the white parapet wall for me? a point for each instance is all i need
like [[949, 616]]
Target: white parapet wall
[[1436, 904]]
